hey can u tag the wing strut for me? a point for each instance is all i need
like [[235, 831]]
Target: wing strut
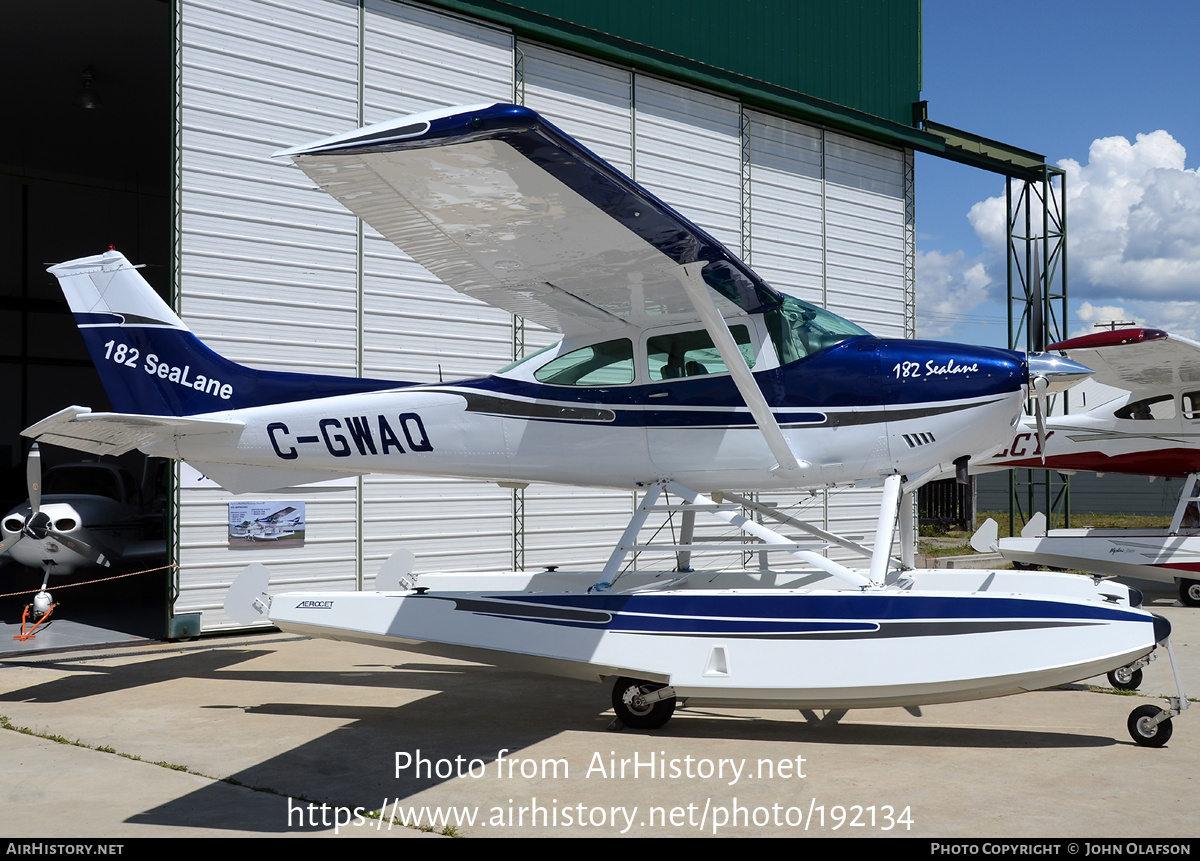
[[1188, 497], [701, 295]]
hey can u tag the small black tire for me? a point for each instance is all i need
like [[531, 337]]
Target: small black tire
[[1144, 731], [1189, 592], [1124, 679], [639, 715]]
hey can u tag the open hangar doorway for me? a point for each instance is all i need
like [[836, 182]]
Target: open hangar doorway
[[85, 164]]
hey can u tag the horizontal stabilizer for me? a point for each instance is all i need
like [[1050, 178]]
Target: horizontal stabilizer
[[117, 433]]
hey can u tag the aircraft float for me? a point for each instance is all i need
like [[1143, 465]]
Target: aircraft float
[[1152, 427], [681, 374]]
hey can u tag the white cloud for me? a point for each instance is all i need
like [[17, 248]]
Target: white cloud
[[948, 287], [1133, 218], [987, 217], [1095, 317], [1179, 318]]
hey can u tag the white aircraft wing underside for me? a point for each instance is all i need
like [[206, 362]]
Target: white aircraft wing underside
[[1152, 362], [491, 224], [551, 238]]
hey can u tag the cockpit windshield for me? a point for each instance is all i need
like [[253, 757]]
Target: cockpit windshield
[[799, 329]]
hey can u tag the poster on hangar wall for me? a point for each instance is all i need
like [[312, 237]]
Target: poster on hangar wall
[[266, 523]]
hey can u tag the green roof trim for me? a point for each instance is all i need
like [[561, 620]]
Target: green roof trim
[[986, 153], [537, 26], [547, 21]]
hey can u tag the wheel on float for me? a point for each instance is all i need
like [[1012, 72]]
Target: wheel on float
[[632, 709], [1189, 592], [1145, 731], [1125, 679]]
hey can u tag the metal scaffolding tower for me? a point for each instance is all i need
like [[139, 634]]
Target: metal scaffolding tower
[[1037, 316]]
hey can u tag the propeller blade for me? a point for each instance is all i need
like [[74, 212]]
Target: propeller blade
[[33, 477], [81, 547], [7, 545], [1037, 326], [1040, 407]]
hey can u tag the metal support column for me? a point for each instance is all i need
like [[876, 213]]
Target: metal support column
[[1037, 316]]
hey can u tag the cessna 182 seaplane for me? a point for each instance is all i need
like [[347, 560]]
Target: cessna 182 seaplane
[[680, 373], [1151, 427]]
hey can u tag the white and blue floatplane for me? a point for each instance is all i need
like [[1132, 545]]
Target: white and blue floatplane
[[681, 373]]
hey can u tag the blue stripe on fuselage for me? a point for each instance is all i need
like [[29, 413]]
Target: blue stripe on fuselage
[[860, 372]]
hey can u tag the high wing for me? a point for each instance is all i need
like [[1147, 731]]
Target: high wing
[[1150, 427], [1136, 359], [501, 205]]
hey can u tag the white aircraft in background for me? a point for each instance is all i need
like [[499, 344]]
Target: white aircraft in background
[[680, 373], [83, 515], [1151, 427]]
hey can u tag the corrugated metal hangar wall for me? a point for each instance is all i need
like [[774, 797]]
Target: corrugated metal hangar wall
[[275, 274]]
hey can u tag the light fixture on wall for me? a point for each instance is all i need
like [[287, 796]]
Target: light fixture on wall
[[87, 97]]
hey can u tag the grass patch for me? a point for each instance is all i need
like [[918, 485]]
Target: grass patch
[[446, 831], [938, 540]]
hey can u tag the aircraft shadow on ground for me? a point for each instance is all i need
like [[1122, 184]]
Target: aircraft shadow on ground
[[355, 765], [474, 712]]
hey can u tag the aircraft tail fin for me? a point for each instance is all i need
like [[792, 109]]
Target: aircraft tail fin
[[151, 364]]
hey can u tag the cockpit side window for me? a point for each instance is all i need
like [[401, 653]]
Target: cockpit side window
[[1147, 409], [1191, 405], [693, 354], [799, 329], [606, 364]]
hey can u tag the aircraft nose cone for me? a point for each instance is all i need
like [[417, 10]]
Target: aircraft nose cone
[[1059, 371]]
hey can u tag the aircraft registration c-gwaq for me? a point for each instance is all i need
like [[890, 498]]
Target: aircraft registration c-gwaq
[[680, 370]]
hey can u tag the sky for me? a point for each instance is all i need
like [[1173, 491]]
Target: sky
[[1108, 91]]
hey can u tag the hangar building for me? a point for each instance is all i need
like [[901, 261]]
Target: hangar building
[[786, 129]]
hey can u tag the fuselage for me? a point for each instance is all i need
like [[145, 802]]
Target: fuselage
[[613, 404], [852, 412], [1135, 434]]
